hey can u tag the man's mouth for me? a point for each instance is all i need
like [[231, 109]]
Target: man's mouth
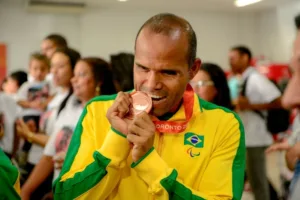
[[156, 97]]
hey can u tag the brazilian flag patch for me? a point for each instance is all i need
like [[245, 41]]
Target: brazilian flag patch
[[194, 140]]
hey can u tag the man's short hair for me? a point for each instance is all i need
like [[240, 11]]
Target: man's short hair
[[166, 23], [243, 50], [297, 21], [58, 40]]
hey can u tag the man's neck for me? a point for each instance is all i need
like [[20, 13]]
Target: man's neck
[[169, 114], [244, 69]]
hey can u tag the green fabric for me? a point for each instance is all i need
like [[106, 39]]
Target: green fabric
[[176, 190], [134, 164], [84, 180], [238, 167], [60, 187], [118, 132], [8, 177]]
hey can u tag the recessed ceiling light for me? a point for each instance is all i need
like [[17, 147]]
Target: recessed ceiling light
[[122, 0], [241, 3]]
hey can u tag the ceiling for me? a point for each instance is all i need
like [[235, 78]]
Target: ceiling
[[167, 5], [217, 5]]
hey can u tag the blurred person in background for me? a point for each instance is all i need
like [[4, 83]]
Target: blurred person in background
[[260, 94], [33, 97], [210, 84], [234, 87], [8, 117], [51, 43], [62, 63], [92, 77], [48, 47], [291, 99], [13, 82]]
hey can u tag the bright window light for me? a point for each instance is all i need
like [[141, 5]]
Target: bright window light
[[241, 3], [122, 0]]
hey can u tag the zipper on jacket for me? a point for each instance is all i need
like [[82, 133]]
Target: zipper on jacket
[[160, 143]]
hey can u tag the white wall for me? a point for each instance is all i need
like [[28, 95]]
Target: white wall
[[101, 32], [277, 31], [23, 32], [106, 32], [287, 31]]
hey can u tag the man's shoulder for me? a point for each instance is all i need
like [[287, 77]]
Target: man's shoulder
[[227, 123], [102, 101], [258, 79], [215, 112], [209, 106]]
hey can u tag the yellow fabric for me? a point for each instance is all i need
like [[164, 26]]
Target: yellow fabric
[[207, 171], [17, 185]]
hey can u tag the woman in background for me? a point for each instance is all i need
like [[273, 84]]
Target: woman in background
[[92, 77], [62, 64], [210, 84]]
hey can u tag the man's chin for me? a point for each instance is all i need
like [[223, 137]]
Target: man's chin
[[159, 112]]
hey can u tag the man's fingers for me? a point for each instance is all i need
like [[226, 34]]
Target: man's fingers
[[269, 150], [123, 97], [136, 139], [136, 130], [122, 109], [144, 121], [121, 105]]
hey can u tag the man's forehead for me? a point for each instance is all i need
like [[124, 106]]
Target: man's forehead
[[234, 53], [160, 44], [161, 64]]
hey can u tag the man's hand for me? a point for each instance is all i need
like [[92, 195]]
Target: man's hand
[[141, 134], [292, 156], [243, 103], [22, 128], [281, 146], [59, 160], [37, 104], [116, 113]]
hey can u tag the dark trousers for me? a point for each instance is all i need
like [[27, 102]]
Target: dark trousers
[[257, 173]]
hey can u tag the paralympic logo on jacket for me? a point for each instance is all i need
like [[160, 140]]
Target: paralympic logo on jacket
[[194, 140]]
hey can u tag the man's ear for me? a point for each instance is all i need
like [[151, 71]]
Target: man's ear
[[195, 68]]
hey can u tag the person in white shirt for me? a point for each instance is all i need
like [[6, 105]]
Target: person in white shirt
[[260, 95], [8, 116], [63, 62], [34, 96], [92, 77]]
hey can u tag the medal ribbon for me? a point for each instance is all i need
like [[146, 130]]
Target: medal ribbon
[[178, 126]]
